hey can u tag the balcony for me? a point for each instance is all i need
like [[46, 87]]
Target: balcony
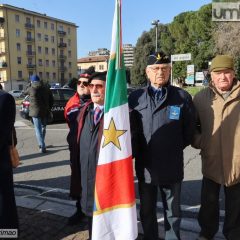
[[3, 64], [62, 45], [61, 33], [30, 53], [30, 39], [62, 57], [62, 69], [29, 26], [31, 66]]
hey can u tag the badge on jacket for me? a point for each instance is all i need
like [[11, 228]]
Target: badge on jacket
[[174, 113]]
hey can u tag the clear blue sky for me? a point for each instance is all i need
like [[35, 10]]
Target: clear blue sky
[[94, 17]]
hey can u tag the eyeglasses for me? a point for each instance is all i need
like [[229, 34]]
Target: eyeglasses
[[85, 84], [98, 86], [156, 69]]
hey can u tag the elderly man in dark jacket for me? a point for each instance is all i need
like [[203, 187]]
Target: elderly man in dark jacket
[[41, 101], [86, 146], [162, 124], [8, 210]]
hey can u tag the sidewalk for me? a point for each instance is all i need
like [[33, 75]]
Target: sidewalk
[[43, 215]]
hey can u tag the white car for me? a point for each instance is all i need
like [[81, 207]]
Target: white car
[[16, 93]]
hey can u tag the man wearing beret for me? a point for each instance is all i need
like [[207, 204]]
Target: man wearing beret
[[71, 111], [89, 132], [217, 135], [162, 125]]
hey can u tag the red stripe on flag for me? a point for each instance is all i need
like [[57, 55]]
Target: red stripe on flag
[[115, 184]]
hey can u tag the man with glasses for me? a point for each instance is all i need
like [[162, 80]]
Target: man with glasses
[[71, 112], [162, 125], [90, 127]]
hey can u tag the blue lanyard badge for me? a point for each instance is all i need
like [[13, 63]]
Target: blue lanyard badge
[[174, 112]]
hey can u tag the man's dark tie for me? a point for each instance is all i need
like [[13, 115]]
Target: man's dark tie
[[97, 115], [158, 95]]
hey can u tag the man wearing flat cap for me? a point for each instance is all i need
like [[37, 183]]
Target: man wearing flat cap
[[88, 137], [162, 125], [217, 135]]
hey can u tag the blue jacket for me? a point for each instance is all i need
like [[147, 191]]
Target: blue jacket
[[161, 132]]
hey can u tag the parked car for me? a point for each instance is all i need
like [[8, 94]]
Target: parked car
[[16, 93], [60, 96]]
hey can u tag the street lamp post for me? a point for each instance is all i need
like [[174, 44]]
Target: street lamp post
[[155, 23]]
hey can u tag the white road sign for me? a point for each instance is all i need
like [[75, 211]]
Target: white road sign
[[181, 57]]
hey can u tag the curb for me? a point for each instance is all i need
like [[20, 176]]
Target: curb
[[56, 201]]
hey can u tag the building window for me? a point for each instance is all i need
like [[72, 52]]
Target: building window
[[38, 23], [19, 60], [19, 74], [101, 67], [47, 75], [53, 63], [46, 38], [40, 75], [17, 32], [46, 50], [45, 25], [17, 18], [52, 26], [53, 51], [69, 42], [39, 36], [69, 53], [70, 75], [69, 64], [54, 76], [69, 30], [47, 63], [52, 39], [60, 28], [30, 61], [39, 49], [18, 47], [28, 20], [40, 62]]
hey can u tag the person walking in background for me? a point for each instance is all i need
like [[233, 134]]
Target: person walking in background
[[162, 125], [217, 135], [41, 101], [71, 112], [88, 137], [8, 210]]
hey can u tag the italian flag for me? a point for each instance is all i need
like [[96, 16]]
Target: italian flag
[[114, 213]]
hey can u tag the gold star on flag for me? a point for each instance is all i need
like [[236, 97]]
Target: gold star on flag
[[111, 135]]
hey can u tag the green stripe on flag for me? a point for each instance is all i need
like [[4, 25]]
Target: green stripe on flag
[[116, 89]]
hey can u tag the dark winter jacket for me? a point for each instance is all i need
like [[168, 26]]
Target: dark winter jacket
[[160, 133], [8, 211], [41, 99], [76, 185]]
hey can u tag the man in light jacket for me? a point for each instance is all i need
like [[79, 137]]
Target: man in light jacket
[[218, 135]]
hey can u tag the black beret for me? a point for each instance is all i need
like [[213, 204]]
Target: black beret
[[88, 72], [99, 76], [158, 58]]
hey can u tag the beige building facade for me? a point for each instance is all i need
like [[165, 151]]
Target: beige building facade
[[34, 43], [99, 62]]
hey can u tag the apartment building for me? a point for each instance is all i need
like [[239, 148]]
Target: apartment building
[[34, 43], [128, 51]]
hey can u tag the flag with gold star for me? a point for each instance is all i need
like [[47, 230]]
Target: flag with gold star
[[114, 213]]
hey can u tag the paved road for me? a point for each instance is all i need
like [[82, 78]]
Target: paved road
[[52, 169]]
